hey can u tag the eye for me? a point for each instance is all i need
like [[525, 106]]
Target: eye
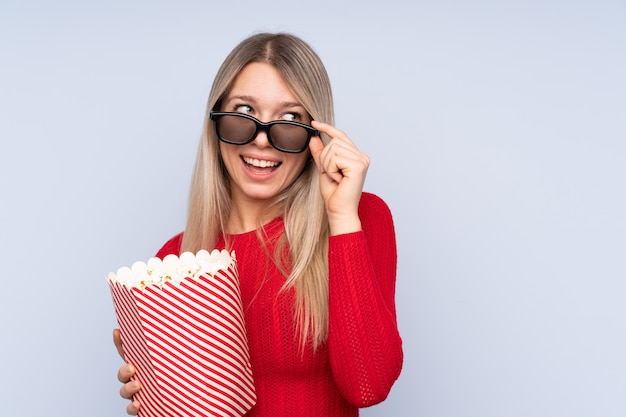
[[292, 117], [244, 108]]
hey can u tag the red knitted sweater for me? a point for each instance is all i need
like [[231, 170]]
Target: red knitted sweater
[[363, 355]]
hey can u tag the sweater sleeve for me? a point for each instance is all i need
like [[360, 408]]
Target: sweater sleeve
[[364, 343]]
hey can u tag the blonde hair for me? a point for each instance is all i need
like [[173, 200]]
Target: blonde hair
[[301, 204]]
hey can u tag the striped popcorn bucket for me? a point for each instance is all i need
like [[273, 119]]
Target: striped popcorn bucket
[[182, 326]]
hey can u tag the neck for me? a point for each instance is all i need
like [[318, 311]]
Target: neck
[[246, 216]]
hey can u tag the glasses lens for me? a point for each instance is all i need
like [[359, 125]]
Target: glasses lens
[[290, 138], [236, 129]]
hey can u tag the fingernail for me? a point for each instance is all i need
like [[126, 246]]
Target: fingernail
[[134, 384]]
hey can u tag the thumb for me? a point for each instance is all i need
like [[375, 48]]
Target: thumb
[[316, 146], [117, 340]]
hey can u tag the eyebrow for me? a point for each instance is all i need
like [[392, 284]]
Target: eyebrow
[[253, 100], [244, 98]]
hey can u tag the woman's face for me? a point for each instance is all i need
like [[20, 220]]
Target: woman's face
[[257, 170]]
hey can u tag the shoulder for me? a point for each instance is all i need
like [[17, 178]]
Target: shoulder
[[172, 246], [372, 205]]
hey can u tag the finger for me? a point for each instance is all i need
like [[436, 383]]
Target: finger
[[339, 144], [125, 373], [117, 340], [128, 390], [332, 170], [336, 148], [331, 131], [338, 159], [133, 408], [324, 165]]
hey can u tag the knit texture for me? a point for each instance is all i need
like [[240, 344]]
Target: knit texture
[[363, 356]]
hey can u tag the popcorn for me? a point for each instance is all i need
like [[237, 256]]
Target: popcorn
[[172, 268], [182, 327]]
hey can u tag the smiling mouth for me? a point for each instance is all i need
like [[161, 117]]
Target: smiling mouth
[[260, 165]]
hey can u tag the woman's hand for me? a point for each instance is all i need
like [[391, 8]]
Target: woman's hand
[[342, 170], [124, 375]]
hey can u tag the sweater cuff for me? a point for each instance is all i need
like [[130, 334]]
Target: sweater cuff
[[346, 239], [344, 250]]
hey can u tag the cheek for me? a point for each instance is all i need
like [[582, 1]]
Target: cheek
[[228, 154]]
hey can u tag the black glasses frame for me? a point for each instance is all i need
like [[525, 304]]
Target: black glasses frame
[[263, 127]]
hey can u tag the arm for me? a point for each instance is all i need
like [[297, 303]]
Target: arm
[[364, 344], [363, 341]]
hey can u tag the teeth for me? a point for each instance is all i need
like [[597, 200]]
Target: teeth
[[260, 163]]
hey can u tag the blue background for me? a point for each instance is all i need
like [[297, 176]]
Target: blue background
[[497, 132]]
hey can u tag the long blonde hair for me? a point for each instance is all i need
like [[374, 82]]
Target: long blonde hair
[[301, 204]]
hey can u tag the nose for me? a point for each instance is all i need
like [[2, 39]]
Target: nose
[[262, 139]]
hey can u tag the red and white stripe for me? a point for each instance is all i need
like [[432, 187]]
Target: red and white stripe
[[189, 345]]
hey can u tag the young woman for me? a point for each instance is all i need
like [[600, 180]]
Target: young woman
[[278, 184]]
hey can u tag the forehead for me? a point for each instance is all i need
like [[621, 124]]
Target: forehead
[[261, 82]]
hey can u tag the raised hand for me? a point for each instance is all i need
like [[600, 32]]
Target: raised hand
[[342, 168]]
